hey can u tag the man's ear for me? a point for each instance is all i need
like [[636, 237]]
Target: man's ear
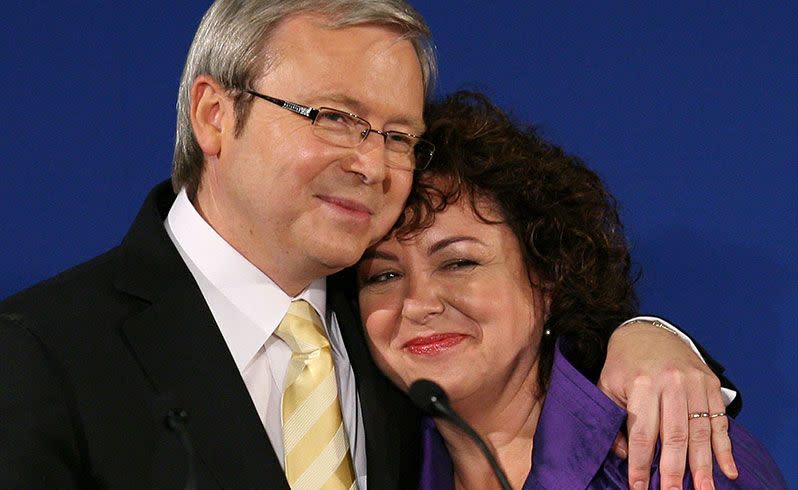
[[209, 109]]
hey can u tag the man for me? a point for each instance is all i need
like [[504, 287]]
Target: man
[[165, 362]]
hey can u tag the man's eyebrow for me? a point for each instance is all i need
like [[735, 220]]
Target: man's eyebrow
[[377, 254], [350, 103], [441, 244]]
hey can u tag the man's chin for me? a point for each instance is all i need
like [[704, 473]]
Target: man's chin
[[341, 258]]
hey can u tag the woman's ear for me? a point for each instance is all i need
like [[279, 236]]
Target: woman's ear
[[209, 107], [547, 303], [543, 291]]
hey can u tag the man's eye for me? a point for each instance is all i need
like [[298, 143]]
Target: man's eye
[[332, 117], [329, 117], [399, 141], [398, 137]]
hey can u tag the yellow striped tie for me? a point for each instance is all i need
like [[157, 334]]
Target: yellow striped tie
[[316, 446]]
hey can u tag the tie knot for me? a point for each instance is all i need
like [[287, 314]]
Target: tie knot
[[301, 329]]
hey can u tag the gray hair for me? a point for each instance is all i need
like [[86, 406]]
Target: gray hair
[[229, 46]]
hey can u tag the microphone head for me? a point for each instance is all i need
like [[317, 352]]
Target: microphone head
[[426, 395]]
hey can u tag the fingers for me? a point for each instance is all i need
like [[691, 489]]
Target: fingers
[[699, 453], [619, 446], [665, 387], [674, 431], [643, 428], [721, 444]]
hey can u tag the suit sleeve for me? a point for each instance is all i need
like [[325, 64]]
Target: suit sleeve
[[736, 405], [38, 447]]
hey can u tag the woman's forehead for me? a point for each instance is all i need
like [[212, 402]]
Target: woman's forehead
[[456, 218]]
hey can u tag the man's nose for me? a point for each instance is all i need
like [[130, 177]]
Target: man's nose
[[370, 159]]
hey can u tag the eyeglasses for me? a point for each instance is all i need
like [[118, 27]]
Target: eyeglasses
[[404, 151]]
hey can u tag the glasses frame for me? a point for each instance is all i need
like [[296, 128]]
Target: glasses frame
[[312, 113]]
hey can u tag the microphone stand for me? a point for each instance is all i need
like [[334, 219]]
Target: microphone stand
[[432, 399]]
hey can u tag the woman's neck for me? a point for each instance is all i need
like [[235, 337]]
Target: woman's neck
[[507, 424]]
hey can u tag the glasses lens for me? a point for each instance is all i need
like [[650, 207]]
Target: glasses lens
[[399, 143], [339, 127], [407, 151], [403, 150], [423, 152], [399, 150]]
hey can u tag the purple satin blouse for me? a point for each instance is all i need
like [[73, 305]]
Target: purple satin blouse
[[572, 445]]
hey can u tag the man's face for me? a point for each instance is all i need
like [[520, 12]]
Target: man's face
[[296, 206]]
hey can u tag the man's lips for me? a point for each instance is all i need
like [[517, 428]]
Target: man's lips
[[347, 205], [433, 344]]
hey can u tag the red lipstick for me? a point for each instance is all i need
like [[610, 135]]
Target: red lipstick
[[433, 344]]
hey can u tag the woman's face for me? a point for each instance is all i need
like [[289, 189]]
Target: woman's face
[[454, 305]]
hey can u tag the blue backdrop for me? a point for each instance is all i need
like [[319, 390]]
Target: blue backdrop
[[689, 111]]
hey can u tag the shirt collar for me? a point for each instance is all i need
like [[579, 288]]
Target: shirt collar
[[247, 305], [577, 426]]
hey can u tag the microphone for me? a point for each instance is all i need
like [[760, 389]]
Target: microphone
[[175, 421], [431, 398], [168, 414]]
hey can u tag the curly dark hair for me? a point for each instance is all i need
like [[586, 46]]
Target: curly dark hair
[[565, 220]]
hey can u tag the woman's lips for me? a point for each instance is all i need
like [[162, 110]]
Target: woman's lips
[[433, 344]]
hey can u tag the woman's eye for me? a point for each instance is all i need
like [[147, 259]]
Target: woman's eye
[[381, 278], [460, 264]]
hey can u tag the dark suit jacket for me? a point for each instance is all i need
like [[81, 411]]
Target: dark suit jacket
[[94, 361]]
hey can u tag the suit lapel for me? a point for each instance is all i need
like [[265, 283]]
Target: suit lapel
[[180, 348], [178, 345]]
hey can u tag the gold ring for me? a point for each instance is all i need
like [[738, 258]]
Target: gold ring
[[719, 414], [698, 415]]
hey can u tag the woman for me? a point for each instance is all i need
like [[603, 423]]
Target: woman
[[502, 283]]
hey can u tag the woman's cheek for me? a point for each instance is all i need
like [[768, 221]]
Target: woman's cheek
[[469, 295]]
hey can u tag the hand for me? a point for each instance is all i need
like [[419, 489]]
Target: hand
[[659, 380]]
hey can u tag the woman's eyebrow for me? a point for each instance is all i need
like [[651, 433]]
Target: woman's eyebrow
[[441, 244]]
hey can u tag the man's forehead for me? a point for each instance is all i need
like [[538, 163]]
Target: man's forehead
[[368, 69], [319, 31]]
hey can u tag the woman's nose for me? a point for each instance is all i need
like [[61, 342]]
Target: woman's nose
[[422, 302]]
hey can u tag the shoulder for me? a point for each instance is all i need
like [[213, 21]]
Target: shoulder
[[82, 288], [69, 311]]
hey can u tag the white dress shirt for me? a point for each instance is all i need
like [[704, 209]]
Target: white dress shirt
[[248, 307]]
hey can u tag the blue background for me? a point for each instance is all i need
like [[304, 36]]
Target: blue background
[[689, 111]]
